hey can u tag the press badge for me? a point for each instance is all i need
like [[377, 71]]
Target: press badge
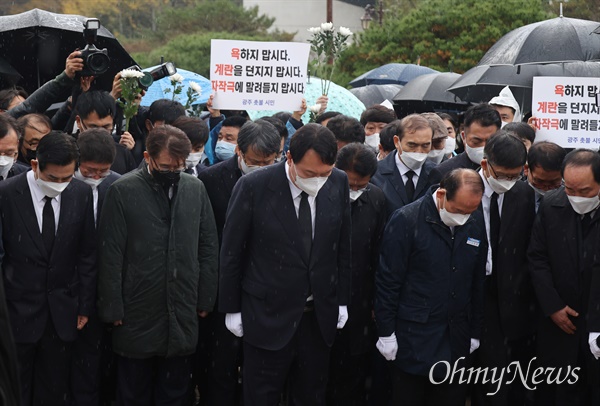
[[473, 242]]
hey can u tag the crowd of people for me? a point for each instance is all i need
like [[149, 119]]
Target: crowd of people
[[418, 260]]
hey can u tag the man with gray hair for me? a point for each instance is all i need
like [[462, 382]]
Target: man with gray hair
[[438, 142], [258, 145]]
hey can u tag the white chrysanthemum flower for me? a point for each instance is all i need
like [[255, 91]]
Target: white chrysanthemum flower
[[327, 26], [345, 31], [315, 109], [176, 78], [131, 73], [195, 87], [314, 30]]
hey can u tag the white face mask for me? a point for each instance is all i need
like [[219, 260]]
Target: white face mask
[[373, 141], [500, 186], [436, 155], [453, 219], [94, 183], [6, 163], [583, 205], [414, 160], [538, 191], [310, 185], [355, 194], [450, 145], [51, 189], [503, 124], [193, 159], [474, 154], [246, 169]]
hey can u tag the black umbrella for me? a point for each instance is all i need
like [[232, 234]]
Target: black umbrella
[[481, 83], [558, 39], [375, 94], [429, 93], [8, 75], [36, 43], [392, 73]]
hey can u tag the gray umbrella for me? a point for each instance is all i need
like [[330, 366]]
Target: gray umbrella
[[375, 94]]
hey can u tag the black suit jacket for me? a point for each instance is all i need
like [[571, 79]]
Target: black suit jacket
[[60, 284], [17, 169], [103, 188], [390, 181], [219, 181], [124, 161], [265, 274], [459, 161]]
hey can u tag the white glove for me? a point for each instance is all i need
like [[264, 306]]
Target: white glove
[[342, 317], [594, 345], [233, 322], [388, 347], [474, 345]]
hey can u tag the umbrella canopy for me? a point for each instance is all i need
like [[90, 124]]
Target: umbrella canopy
[[36, 43], [428, 93], [8, 75], [481, 83], [340, 99], [555, 40], [375, 94], [392, 73], [157, 89]]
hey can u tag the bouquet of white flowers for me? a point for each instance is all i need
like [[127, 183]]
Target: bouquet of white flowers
[[130, 88]]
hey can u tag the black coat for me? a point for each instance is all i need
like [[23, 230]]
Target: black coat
[[264, 274], [459, 161], [17, 169], [9, 382], [39, 285], [429, 285], [390, 181], [103, 188], [124, 161]]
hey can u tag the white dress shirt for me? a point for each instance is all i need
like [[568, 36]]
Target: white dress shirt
[[296, 192], [38, 199], [403, 169], [485, 203]]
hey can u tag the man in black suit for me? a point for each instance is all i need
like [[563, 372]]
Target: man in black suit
[[48, 265], [562, 252], [9, 148], [542, 170], [285, 269], [481, 121], [197, 131], [404, 175], [510, 308], [219, 354]]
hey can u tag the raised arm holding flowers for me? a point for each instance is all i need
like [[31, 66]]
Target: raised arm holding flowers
[[328, 45]]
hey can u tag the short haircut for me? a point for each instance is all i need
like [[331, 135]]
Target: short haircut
[[583, 157], [461, 177], [97, 101], [377, 114], [260, 136], [234, 121], [57, 148], [347, 129], [279, 125], [437, 125], [8, 123], [546, 155], [316, 137], [35, 121], [7, 96], [521, 130], [506, 150], [170, 139], [386, 136], [483, 114], [358, 158], [96, 145], [195, 129], [326, 116], [453, 120], [413, 123], [165, 110], [284, 116]]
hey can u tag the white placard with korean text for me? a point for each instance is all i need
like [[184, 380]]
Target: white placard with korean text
[[566, 111], [252, 75]]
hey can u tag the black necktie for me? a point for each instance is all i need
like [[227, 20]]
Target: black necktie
[[586, 222], [494, 225], [305, 223], [410, 186], [48, 226], [189, 170]]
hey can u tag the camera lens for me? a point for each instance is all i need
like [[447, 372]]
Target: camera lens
[[98, 63]]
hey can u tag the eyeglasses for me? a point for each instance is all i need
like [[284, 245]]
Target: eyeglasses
[[503, 177], [546, 186], [10, 154], [165, 170], [103, 173]]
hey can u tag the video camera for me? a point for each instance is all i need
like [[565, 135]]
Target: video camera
[[95, 61], [161, 71]]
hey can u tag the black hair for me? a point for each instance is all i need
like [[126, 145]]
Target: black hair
[[453, 120], [377, 114], [7, 96], [521, 130], [195, 129], [506, 150], [484, 114], [546, 155], [284, 116], [170, 139], [35, 121], [234, 121], [583, 157], [357, 158], [97, 101], [57, 148], [461, 177], [165, 110], [386, 136], [347, 129], [326, 116], [316, 137], [96, 145], [261, 136], [8, 123], [279, 125]]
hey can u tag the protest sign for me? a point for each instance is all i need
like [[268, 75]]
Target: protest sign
[[252, 75], [566, 111]]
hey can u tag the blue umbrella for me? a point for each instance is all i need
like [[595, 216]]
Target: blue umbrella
[[392, 73], [157, 90]]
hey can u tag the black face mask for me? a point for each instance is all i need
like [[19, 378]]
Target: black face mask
[[166, 178], [30, 154]]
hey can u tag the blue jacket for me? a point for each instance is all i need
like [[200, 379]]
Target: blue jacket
[[429, 285]]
